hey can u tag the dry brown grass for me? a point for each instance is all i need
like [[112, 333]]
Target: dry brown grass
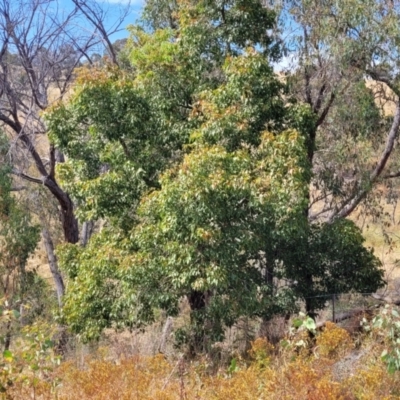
[[384, 237], [383, 96], [320, 370]]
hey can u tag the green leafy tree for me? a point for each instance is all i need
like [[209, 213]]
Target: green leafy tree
[[330, 259], [199, 161]]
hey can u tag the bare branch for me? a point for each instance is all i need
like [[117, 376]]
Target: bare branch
[[392, 175], [355, 201], [326, 109], [40, 47], [18, 188], [320, 98], [94, 14], [27, 177]]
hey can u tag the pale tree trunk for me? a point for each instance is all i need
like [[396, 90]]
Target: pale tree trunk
[[52, 258], [86, 232], [62, 336], [167, 329]]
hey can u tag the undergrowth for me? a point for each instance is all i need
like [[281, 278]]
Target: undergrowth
[[307, 364]]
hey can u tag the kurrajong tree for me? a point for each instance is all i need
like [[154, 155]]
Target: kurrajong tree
[[198, 160]]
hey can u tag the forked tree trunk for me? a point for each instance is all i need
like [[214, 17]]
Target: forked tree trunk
[[67, 214]]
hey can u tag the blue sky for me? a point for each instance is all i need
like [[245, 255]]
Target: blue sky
[[113, 7], [136, 6]]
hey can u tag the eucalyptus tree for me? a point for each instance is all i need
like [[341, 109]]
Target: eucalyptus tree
[[342, 59]]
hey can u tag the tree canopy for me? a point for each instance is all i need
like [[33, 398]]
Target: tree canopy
[[201, 162]]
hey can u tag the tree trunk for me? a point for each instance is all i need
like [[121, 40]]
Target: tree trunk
[[52, 258], [67, 214], [69, 221], [7, 338], [59, 156], [197, 302], [169, 324], [310, 301], [86, 233]]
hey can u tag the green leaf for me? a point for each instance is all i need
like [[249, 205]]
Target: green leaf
[[297, 323], [309, 324], [233, 366], [8, 356]]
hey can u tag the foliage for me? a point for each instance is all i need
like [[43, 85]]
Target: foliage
[[386, 326], [272, 372], [18, 239], [345, 67], [357, 115], [102, 382], [333, 341], [111, 156], [208, 238], [138, 123], [195, 251], [27, 367], [199, 160], [261, 352], [94, 299], [336, 259]]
